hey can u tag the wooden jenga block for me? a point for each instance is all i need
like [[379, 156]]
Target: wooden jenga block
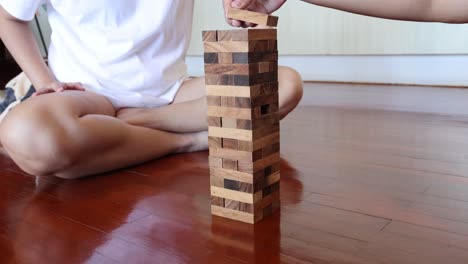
[[242, 46], [241, 69], [252, 17], [240, 35], [246, 35], [241, 80], [242, 91], [210, 36], [230, 143]]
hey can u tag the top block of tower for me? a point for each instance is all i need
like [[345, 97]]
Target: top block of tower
[[253, 17]]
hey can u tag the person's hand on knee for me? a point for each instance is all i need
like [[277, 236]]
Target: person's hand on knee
[[260, 6], [59, 87]]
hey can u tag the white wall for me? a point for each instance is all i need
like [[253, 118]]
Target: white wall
[[328, 45], [305, 29]]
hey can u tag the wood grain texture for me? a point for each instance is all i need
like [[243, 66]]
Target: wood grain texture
[[246, 208], [250, 167], [270, 149], [230, 164], [231, 154], [247, 34], [253, 57], [212, 57], [232, 204], [228, 122], [245, 118], [214, 121], [264, 131], [259, 143], [231, 185], [264, 110], [210, 36], [232, 214], [252, 17], [268, 99], [218, 181], [267, 201], [241, 69], [217, 201], [230, 143], [225, 58], [230, 57], [241, 80], [226, 46], [232, 175], [215, 142], [241, 46], [237, 102], [232, 195], [231, 133], [357, 186], [226, 90], [242, 134], [231, 112], [244, 124], [213, 100], [242, 91], [215, 162]]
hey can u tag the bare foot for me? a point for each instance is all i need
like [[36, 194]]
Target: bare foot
[[195, 142]]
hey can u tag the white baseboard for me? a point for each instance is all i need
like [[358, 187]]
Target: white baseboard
[[427, 99], [444, 70]]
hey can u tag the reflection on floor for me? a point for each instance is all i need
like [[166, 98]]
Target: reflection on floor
[[359, 185]]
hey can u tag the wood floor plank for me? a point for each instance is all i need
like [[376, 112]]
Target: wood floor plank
[[428, 234], [358, 186], [349, 224], [42, 237], [122, 251], [398, 212], [315, 254], [7, 251], [449, 190], [387, 247], [320, 238]]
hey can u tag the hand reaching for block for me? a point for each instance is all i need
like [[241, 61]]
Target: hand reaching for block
[[238, 18]]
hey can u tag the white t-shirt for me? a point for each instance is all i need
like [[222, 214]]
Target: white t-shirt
[[131, 51]]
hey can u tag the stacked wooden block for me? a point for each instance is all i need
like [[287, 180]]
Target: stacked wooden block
[[241, 68]]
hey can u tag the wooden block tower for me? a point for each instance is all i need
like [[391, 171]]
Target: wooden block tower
[[241, 68]]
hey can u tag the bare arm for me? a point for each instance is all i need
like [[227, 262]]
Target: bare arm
[[447, 11], [19, 40]]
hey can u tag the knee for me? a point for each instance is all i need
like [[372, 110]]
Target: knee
[[291, 89], [36, 141]]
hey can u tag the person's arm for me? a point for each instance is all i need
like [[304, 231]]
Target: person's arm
[[447, 11], [19, 39]]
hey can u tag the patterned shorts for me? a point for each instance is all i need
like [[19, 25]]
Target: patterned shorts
[[15, 92]]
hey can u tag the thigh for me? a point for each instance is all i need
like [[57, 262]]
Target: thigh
[[65, 104], [191, 90], [43, 124]]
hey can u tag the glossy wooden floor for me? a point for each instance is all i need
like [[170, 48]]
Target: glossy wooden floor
[[358, 186]]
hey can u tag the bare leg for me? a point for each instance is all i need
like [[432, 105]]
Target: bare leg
[[75, 134], [188, 112]]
